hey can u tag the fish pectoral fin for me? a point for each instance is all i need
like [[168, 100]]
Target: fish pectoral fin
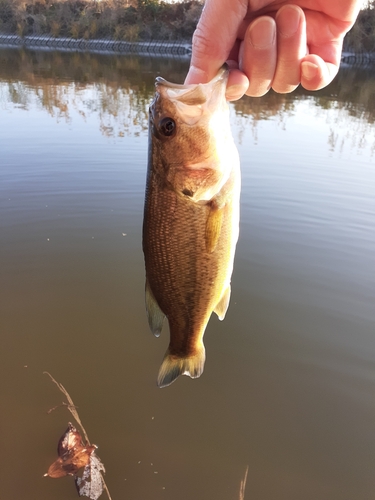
[[223, 304], [213, 226], [174, 366], [155, 315]]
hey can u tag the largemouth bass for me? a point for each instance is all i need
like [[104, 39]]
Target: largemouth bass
[[191, 217]]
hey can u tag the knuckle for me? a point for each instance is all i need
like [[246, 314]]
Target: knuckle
[[203, 47], [200, 42]]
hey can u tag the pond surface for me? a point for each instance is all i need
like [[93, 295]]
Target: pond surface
[[289, 383]]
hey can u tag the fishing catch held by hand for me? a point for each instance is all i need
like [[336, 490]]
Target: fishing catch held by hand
[[191, 217]]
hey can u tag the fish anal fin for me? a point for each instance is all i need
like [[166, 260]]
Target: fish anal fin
[[213, 226], [155, 315], [173, 366], [223, 304]]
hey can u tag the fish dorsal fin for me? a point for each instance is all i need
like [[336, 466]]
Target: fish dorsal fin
[[155, 315], [213, 226], [222, 306]]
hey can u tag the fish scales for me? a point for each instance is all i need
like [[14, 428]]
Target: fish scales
[[188, 238], [182, 281]]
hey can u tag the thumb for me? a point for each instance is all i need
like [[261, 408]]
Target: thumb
[[214, 38]]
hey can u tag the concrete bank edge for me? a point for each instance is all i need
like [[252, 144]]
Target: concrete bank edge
[[154, 47]]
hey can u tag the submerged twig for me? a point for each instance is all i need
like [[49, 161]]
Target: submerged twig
[[73, 410], [243, 485]]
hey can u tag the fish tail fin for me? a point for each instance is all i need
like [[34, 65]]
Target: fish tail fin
[[174, 366]]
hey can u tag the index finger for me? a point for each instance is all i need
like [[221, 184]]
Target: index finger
[[214, 38]]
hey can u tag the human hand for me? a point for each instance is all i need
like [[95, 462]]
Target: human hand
[[271, 43]]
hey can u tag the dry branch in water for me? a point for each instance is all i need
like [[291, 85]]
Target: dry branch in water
[[243, 485], [75, 454]]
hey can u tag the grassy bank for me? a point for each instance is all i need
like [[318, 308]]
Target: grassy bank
[[361, 38], [117, 19], [133, 20]]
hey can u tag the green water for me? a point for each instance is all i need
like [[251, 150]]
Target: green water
[[289, 382]]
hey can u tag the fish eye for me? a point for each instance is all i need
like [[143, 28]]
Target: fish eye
[[167, 126]]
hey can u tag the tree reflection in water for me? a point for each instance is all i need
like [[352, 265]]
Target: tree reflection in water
[[118, 89]]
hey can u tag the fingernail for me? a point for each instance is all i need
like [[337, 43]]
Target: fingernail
[[288, 22], [309, 70], [232, 64], [196, 75], [262, 33], [234, 92]]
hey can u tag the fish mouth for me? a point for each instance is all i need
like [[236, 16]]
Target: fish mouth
[[221, 76], [194, 99]]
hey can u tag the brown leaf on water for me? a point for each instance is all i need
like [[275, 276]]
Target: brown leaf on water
[[91, 483], [75, 453], [70, 463], [69, 441]]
